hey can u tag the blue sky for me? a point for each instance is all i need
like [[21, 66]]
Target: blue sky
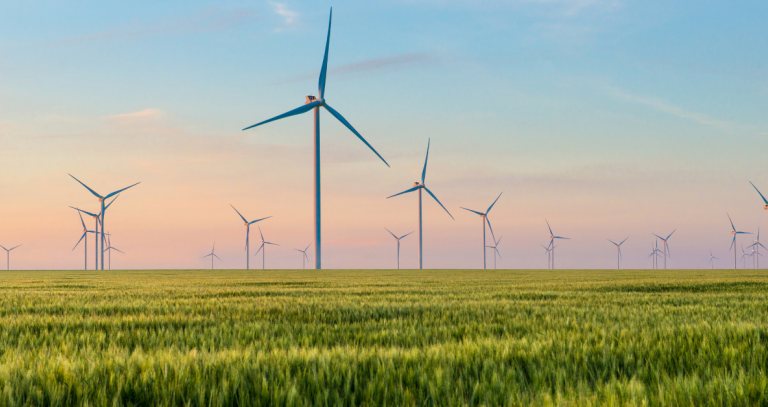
[[609, 118]]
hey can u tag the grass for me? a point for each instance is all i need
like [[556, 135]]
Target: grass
[[384, 338]]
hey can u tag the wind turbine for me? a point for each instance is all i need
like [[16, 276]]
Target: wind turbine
[[495, 247], [103, 209], [212, 255], [734, 232], [552, 238], [712, 258], [95, 231], [304, 255], [549, 255], [247, 237], [8, 256], [313, 103], [84, 236], [419, 187], [653, 252], [757, 246], [398, 244], [263, 253], [665, 246], [484, 219], [109, 249], [618, 249], [761, 196]]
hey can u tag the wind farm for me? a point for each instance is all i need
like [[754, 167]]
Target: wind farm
[[611, 121]]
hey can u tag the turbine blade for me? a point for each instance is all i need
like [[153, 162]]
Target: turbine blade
[[308, 247], [121, 190], [78, 242], [498, 241], [262, 235], [238, 212], [405, 192], [733, 242], [489, 227], [260, 247], [761, 245], [657, 236], [86, 186], [259, 220], [729, 218], [112, 248], [352, 129], [324, 69], [670, 235], [758, 191], [405, 235], [612, 242], [494, 203], [390, 232], [550, 228], [14, 248], [479, 213], [273, 244], [497, 252], [305, 256], [207, 255], [214, 255], [294, 112], [110, 203], [438, 201], [80, 210], [424, 171], [81, 221], [622, 242]]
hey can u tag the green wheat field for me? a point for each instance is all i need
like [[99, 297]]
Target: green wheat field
[[397, 338]]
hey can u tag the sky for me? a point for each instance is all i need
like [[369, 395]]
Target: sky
[[608, 118]]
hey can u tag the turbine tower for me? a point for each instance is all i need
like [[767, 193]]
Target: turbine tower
[[8, 256], [84, 236], [618, 250], [313, 103], [712, 259], [103, 209], [653, 256], [665, 245], [263, 253], [304, 255], [552, 238], [398, 244], [484, 219], [549, 254], [495, 247], [212, 255], [734, 232], [109, 249], [419, 187], [96, 221], [247, 237]]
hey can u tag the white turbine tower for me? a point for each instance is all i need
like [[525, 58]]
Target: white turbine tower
[[495, 247], [734, 232], [552, 238], [398, 244], [315, 104], [303, 255], [665, 245], [263, 249], [484, 219], [248, 236], [712, 259], [212, 255], [8, 256], [618, 250]]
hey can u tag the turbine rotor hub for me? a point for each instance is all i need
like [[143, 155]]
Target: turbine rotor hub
[[416, 184]]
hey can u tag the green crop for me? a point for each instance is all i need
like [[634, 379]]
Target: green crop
[[398, 338]]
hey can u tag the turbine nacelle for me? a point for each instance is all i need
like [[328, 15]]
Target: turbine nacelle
[[415, 184], [311, 98]]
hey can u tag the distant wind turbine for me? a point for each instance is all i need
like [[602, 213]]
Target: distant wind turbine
[[264, 248], [84, 236], [8, 256], [212, 255], [304, 255], [419, 187], [103, 209], [313, 103], [765, 201], [97, 222], [734, 232], [109, 249], [495, 247], [665, 245], [618, 250], [712, 259], [756, 246], [398, 244], [549, 255], [552, 238], [247, 237], [484, 219]]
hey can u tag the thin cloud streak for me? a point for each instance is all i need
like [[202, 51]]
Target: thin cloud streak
[[209, 20], [289, 16], [404, 60]]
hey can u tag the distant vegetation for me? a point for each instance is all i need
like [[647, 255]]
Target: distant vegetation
[[384, 338]]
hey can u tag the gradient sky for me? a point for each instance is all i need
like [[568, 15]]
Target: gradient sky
[[611, 119]]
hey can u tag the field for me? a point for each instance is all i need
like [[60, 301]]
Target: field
[[393, 338]]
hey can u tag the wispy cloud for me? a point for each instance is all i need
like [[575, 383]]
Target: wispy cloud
[[369, 65], [289, 16], [662, 106], [575, 7], [209, 20], [148, 114]]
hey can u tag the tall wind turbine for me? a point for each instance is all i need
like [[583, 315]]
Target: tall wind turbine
[[549, 254], [263, 246], [756, 246], [247, 237], [109, 249], [304, 255], [84, 236], [96, 230], [398, 244], [734, 232], [552, 238], [712, 259], [313, 103], [653, 256], [212, 255], [8, 256], [419, 187], [484, 219], [665, 245], [618, 250], [495, 247], [103, 209]]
